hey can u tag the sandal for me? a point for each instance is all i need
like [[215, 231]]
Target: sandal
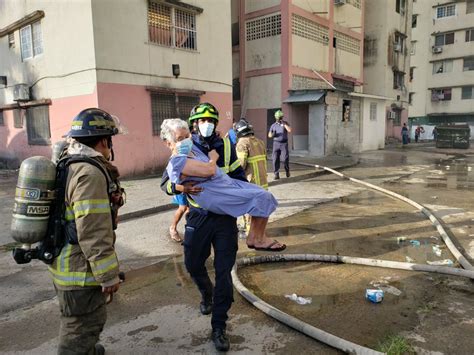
[[269, 247], [175, 236]]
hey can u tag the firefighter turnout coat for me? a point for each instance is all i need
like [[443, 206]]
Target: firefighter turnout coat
[[253, 159], [88, 258]]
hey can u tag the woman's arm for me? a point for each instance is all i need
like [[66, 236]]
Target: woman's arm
[[198, 168]]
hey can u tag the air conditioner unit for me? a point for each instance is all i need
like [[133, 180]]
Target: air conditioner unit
[[391, 115], [437, 49], [21, 92], [340, 2], [397, 47]]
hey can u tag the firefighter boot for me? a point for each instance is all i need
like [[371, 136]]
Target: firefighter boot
[[220, 339]]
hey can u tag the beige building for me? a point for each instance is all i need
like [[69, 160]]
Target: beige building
[[442, 64], [387, 58], [141, 60], [305, 57]]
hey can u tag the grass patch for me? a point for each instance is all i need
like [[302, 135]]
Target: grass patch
[[427, 307], [395, 345]]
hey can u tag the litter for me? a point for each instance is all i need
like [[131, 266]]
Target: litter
[[391, 289], [445, 262], [409, 260], [401, 239], [299, 299], [435, 197], [374, 296], [437, 250], [415, 243]]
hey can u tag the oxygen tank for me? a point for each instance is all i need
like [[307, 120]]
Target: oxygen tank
[[58, 149], [33, 198]]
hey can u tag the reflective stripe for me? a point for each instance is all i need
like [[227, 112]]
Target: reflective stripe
[[256, 174], [168, 187], [257, 158], [85, 207], [192, 202], [242, 155], [227, 146], [235, 165], [69, 216], [73, 278], [104, 265]]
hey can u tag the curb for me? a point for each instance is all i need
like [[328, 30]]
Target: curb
[[171, 206]]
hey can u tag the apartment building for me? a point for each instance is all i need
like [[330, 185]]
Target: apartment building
[[305, 57], [141, 60], [442, 64], [387, 58]]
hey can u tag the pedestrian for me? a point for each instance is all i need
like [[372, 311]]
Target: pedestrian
[[279, 132], [232, 135], [86, 273], [418, 131], [253, 158], [205, 229], [435, 133], [182, 209], [405, 134]]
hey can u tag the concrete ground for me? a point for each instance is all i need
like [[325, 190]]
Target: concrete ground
[[156, 308]]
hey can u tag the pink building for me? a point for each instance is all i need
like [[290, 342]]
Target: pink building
[[57, 60]]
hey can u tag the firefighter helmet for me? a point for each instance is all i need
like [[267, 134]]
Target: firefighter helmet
[[203, 110], [279, 114], [93, 122], [243, 128]]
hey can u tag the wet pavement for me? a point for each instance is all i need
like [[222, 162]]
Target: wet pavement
[[156, 309]]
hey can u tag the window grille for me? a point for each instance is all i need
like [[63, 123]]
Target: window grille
[[347, 43], [37, 125], [2, 121], [308, 29], [18, 115], [31, 41], [373, 111], [171, 27], [168, 105], [397, 120], [370, 47], [263, 27], [398, 80]]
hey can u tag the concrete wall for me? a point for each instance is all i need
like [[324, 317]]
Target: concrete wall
[[256, 5], [347, 63], [349, 16], [310, 54], [373, 131], [263, 53], [264, 91], [319, 7]]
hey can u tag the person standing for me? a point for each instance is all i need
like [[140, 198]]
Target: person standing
[[435, 134], [279, 132], [205, 229], [405, 134], [418, 131], [86, 273]]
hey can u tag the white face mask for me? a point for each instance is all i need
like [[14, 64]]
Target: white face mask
[[206, 129]]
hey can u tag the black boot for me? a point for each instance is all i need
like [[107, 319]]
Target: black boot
[[277, 176], [288, 174], [220, 339], [206, 307], [99, 349]]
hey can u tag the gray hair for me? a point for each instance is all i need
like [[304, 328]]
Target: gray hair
[[169, 126]]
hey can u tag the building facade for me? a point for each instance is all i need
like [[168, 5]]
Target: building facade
[[305, 57], [442, 64], [387, 58], [58, 58]]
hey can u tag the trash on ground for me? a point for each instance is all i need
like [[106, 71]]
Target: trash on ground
[[299, 299], [437, 250], [415, 243], [373, 295], [434, 237], [409, 260], [435, 197], [445, 262], [401, 239], [391, 289]]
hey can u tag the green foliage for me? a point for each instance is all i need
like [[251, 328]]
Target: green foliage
[[395, 345]]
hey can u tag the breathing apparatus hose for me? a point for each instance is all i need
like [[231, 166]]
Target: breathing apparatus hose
[[318, 334]]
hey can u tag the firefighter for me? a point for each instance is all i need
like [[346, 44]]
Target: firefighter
[[252, 155], [86, 273], [204, 228]]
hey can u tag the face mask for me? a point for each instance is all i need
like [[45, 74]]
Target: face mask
[[206, 129], [185, 146]]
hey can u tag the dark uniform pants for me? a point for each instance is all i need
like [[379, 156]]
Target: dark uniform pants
[[83, 316], [202, 230], [280, 148]]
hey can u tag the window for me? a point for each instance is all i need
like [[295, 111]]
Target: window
[[400, 7], [468, 64], [467, 93], [399, 42], [37, 125], [398, 80], [441, 94], [373, 111], [446, 11], [470, 35], [469, 6], [236, 89], [346, 110], [397, 120], [412, 47], [442, 66], [412, 73], [235, 34], [170, 105], [31, 41], [443, 39], [18, 115], [171, 27], [2, 122], [414, 20], [410, 98], [11, 40]]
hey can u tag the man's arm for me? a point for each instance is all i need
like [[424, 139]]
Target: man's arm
[[287, 126]]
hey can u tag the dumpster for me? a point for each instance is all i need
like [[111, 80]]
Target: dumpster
[[453, 136]]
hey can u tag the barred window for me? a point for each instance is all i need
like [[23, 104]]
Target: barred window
[[37, 125], [31, 40], [373, 111], [263, 27], [305, 28], [347, 43], [171, 27], [2, 122], [170, 105], [18, 115]]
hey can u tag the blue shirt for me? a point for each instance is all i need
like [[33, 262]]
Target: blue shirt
[[232, 136], [279, 132]]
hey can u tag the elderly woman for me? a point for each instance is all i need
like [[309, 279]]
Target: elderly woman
[[221, 194]]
